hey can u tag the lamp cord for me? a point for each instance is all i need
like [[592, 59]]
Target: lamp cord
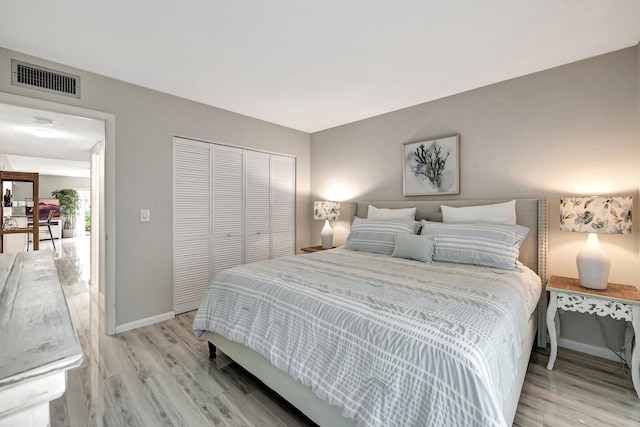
[[620, 353]]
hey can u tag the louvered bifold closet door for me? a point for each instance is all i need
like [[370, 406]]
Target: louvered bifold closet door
[[228, 207], [283, 197], [257, 206], [192, 223]]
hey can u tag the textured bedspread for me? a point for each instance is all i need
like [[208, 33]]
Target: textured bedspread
[[391, 342]]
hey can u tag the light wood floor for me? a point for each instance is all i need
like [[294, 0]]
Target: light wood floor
[[160, 375]]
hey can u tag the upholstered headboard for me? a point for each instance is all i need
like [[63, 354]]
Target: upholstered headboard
[[530, 213]]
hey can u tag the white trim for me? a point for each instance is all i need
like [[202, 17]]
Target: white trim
[[236, 146], [145, 322], [593, 350]]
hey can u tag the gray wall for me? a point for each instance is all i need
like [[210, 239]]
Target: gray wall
[[571, 130], [48, 183], [145, 123]]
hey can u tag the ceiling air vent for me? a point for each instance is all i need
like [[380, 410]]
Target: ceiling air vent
[[44, 79]]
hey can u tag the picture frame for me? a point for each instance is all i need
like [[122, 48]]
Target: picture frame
[[431, 167], [44, 206]]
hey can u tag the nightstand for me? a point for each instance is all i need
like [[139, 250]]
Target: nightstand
[[312, 249], [621, 302]]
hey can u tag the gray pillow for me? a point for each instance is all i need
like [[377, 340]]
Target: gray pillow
[[410, 246], [378, 235], [489, 245]]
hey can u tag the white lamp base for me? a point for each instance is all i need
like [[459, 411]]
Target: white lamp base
[[326, 235], [593, 264]]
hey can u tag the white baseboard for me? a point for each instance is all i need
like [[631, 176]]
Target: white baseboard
[[593, 350], [145, 322]]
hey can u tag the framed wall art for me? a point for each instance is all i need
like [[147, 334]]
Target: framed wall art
[[431, 167]]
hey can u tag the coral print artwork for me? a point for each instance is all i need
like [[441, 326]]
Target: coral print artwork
[[431, 167]]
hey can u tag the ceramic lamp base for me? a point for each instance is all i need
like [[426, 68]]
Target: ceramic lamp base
[[593, 264], [326, 235]]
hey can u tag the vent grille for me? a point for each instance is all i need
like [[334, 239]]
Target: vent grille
[[44, 79]]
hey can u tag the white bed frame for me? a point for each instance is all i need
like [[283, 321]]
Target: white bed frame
[[531, 213]]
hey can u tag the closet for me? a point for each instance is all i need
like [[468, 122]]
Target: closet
[[231, 206]]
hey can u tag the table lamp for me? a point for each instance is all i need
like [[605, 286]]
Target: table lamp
[[595, 215], [329, 211]]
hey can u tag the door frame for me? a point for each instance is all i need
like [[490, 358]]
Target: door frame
[[106, 237]]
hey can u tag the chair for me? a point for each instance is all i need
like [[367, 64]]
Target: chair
[[48, 224], [49, 218]]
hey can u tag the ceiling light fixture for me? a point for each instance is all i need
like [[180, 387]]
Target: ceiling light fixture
[[43, 121], [43, 128]]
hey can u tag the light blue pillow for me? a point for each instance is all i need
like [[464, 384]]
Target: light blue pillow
[[489, 245], [378, 235], [410, 246]]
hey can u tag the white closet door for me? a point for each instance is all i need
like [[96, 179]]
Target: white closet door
[[257, 206], [283, 193], [228, 207], [192, 223], [231, 206]]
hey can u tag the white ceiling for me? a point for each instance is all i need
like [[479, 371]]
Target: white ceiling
[[315, 65], [64, 150], [45, 166]]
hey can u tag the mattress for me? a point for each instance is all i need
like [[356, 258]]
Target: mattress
[[386, 340]]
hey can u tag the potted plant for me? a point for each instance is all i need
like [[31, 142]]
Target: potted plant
[[69, 204], [87, 220]]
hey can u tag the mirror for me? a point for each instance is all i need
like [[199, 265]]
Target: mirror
[[19, 191]]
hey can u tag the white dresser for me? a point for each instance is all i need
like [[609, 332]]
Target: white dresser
[[38, 341]]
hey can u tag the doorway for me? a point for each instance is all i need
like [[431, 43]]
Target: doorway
[[101, 158]]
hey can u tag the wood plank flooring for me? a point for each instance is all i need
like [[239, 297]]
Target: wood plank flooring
[[161, 375]]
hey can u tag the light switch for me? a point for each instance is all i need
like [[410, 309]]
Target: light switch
[[145, 216]]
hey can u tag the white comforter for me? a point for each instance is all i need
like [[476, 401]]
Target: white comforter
[[389, 341]]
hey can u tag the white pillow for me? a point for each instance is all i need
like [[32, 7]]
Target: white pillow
[[384, 213], [499, 213]]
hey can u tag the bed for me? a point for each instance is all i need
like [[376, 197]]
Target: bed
[[309, 328]]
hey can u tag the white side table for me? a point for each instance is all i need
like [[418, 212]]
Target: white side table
[[621, 302]]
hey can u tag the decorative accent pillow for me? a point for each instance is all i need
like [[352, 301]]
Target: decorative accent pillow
[[500, 213], [384, 213], [410, 246], [378, 235], [489, 245]]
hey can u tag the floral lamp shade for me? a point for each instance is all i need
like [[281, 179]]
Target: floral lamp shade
[[601, 215], [326, 210], [595, 215]]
